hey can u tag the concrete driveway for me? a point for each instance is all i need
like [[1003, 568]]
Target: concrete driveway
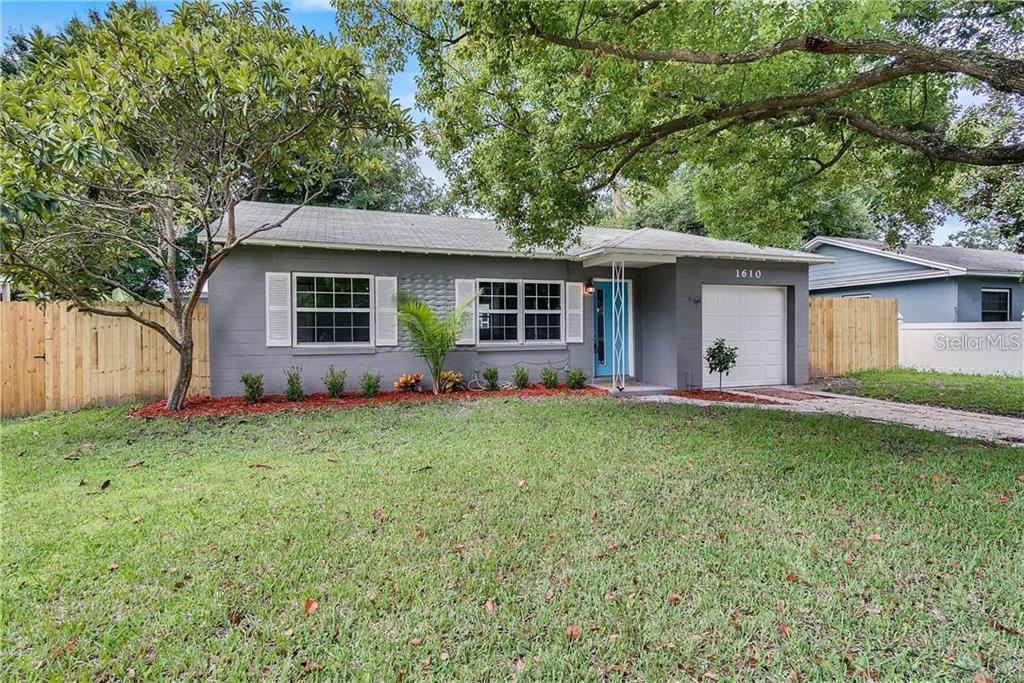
[[996, 428]]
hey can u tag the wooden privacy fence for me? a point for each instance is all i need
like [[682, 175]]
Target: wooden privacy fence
[[52, 358], [849, 334]]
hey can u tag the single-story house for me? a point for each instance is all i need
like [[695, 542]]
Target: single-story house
[[319, 291], [932, 283]]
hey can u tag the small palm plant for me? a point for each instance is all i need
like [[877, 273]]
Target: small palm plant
[[432, 336]]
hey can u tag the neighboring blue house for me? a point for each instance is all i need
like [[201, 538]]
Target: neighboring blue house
[[932, 283]]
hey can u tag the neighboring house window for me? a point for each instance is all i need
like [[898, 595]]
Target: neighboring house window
[[332, 309], [542, 305], [995, 305], [498, 308], [856, 296]]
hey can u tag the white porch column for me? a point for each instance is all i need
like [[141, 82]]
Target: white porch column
[[619, 324]]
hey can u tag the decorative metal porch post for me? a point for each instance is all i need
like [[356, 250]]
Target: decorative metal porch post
[[619, 323]]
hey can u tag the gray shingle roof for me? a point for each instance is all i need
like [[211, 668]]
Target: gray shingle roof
[[652, 239], [985, 260], [353, 229]]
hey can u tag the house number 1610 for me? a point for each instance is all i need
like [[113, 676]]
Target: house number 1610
[[747, 274]]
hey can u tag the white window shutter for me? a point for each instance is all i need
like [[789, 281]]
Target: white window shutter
[[464, 290], [385, 289], [574, 312], [279, 309]]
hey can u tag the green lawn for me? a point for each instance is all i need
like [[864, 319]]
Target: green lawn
[[999, 395], [466, 541]]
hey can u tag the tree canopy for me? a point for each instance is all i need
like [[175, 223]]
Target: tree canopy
[[670, 208], [539, 107], [979, 237], [390, 180], [128, 138], [687, 204]]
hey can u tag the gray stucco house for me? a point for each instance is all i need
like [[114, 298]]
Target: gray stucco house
[[932, 283], [319, 290]]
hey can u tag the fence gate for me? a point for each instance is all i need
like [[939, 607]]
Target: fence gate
[[56, 358], [22, 358]]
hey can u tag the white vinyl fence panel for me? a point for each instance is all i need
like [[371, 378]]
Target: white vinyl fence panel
[[976, 348]]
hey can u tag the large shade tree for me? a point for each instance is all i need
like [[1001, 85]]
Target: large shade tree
[[388, 178], [127, 138], [539, 107]]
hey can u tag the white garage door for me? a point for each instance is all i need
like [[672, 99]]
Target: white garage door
[[752, 319]]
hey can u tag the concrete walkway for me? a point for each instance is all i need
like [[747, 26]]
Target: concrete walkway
[[996, 428]]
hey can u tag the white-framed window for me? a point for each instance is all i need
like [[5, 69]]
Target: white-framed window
[[856, 296], [542, 311], [498, 311], [520, 311], [995, 305], [333, 309]]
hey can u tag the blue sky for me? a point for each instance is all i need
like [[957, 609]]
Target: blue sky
[[19, 16]]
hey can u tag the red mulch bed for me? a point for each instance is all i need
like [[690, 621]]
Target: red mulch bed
[[234, 405], [785, 393], [715, 395]]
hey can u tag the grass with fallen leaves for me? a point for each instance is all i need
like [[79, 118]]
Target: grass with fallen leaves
[[996, 394], [559, 538]]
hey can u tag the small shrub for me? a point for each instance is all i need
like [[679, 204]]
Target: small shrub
[[520, 377], [334, 382], [293, 384], [410, 381], [491, 379], [549, 377], [575, 378], [252, 387], [450, 381], [370, 384]]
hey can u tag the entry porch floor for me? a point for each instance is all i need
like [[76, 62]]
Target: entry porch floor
[[634, 387]]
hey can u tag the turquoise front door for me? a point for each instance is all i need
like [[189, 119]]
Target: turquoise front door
[[603, 328]]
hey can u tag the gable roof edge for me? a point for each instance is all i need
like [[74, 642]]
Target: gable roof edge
[[819, 241]]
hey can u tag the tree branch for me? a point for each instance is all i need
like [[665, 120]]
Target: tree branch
[[752, 111], [1002, 73], [775, 105], [87, 307], [127, 312], [932, 146], [825, 165]]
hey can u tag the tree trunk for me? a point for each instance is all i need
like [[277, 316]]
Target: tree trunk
[[176, 399]]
